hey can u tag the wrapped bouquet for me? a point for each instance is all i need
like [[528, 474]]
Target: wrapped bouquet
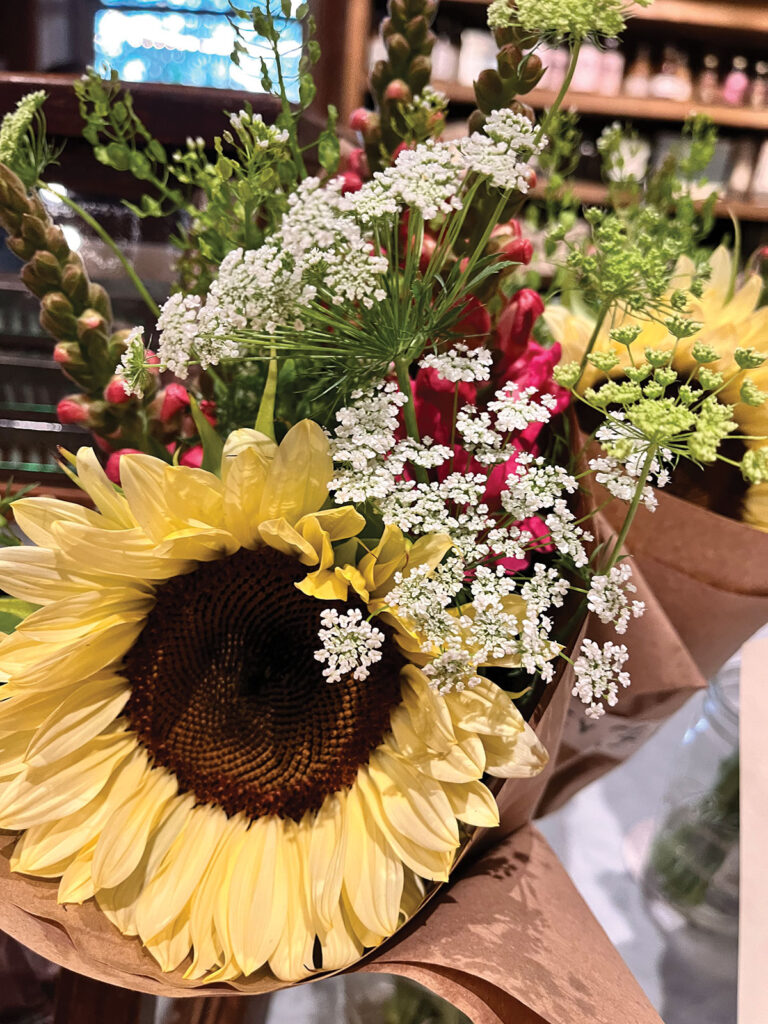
[[341, 547]]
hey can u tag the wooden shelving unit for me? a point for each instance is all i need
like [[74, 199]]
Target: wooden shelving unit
[[596, 193], [628, 107]]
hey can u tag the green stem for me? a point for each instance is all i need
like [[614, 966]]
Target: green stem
[[632, 511], [602, 314], [108, 241], [290, 121], [563, 90], [409, 412]]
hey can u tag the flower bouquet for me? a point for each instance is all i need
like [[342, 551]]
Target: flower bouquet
[[312, 643]]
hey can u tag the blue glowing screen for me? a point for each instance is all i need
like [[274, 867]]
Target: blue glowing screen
[[187, 47]]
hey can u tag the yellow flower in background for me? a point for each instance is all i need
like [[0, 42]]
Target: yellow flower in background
[[169, 746], [727, 323]]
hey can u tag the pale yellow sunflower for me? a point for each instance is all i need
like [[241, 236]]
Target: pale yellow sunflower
[[729, 321], [169, 747]]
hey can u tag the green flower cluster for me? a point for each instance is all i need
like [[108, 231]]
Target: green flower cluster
[[562, 20]]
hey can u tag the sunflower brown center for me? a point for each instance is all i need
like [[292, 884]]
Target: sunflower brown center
[[227, 693]]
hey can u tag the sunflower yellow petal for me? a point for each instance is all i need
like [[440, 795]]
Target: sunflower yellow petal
[[42, 519], [365, 937], [339, 944], [373, 872], [38, 794], [183, 866], [119, 904], [292, 958], [486, 709], [299, 474], [13, 749], [449, 763], [210, 948], [327, 851], [258, 896], [60, 839], [430, 864], [518, 758], [124, 837], [384, 560], [473, 803], [244, 478], [76, 885], [280, 535], [95, 483], [83, 714], [414, 804], [36, 575], [170, 946]]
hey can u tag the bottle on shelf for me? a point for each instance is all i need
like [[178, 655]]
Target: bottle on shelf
[[736, 84], [588, 69], [673, 79], [611, 70], [758, 94], [638, 79], [708, 81]]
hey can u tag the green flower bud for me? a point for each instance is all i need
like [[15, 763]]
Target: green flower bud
[[658, 357], [567, 375], [754, 465], [682, 327], [638, 373], [604, 361], [625, 334], [688, 395], [748, 358], [665, 376], [751, 394], [710, 380], [704, 353]]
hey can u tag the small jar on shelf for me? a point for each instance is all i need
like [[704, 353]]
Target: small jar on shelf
[[673, 79], [708, 81], [758, 94], [736, 84], [638, 78]]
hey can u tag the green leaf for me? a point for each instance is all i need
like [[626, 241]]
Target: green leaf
[[12, 612], [213, 446], [265, 419]]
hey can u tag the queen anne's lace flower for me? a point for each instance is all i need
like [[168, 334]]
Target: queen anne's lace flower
[[504, 151], [349, 644], [608, 597], [460, 363], [598, 674]]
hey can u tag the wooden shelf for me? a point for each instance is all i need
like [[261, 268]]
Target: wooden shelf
[[627, 106], [595, 193], [737, 17]]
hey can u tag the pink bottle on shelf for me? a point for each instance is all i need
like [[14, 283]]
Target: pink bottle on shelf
[[736, 84]]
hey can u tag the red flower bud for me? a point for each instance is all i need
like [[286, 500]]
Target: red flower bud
[[115, 392], [398, 150], [73, 409], [208, 409], [62, 353], [193, 457], [152, 359], [356, 161], [175, 398], [351, 182], [112, 467], [518, 249]]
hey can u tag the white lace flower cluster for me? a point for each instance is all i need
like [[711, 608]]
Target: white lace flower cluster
[[252, 129], [460, 363], [350, 644], [599, 672], [131, 369], [619, 469], [430, 177], [608, 597], [457, 641], [503, 151]]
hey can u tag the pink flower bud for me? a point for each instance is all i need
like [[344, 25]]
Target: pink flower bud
[[518, 249], [359, 119], [112, 468], [193, 457], [175, 399], [92, 321], [115, 392], [62, 353], [398, 91], [153, 360], [73, 409]]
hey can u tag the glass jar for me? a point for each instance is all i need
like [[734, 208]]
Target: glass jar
[[694, 857]]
